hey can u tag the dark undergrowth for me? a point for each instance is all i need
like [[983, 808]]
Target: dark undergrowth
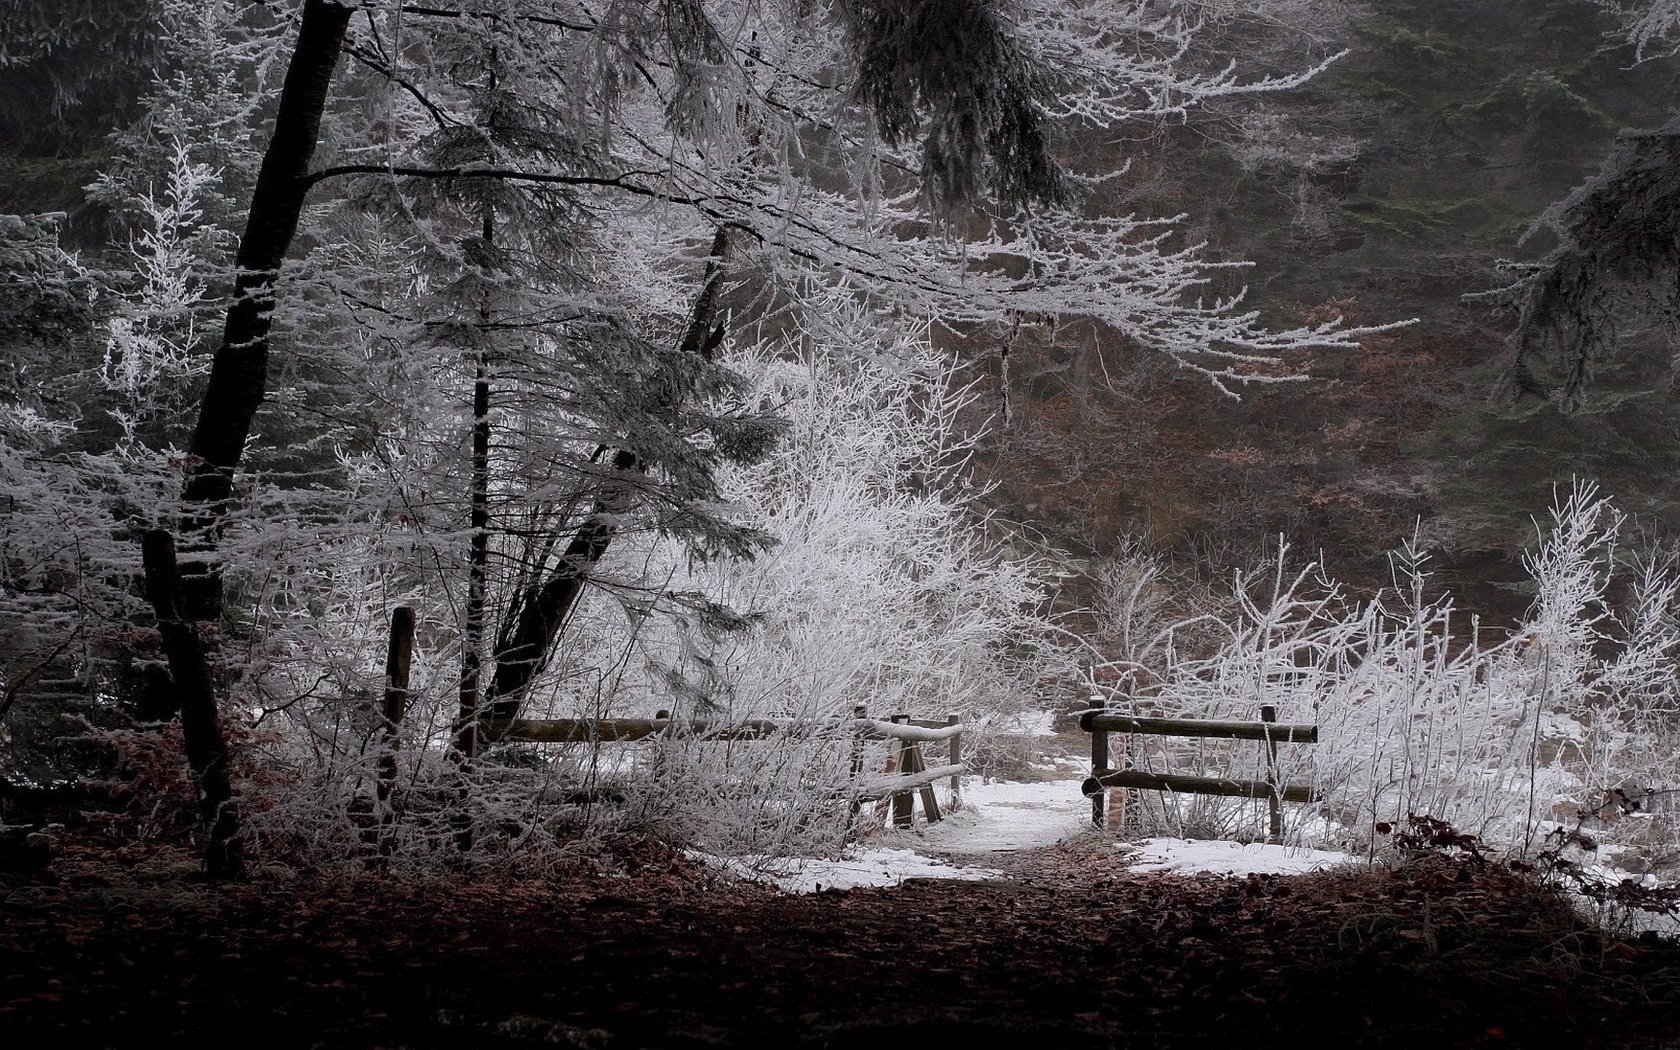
[[638, 947]]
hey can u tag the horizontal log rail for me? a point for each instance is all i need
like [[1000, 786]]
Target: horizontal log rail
[[590, 730], [919, 730], [607, 730], [1268, 731], [892, 785], [908, 774], [1279, 732], [1096, 784]]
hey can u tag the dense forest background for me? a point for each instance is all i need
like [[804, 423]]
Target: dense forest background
[[1393, 186]]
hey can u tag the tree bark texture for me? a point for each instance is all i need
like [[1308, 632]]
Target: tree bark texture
[[399, 657], [239, 371], [478, 553], [478, 562], [201, 726]]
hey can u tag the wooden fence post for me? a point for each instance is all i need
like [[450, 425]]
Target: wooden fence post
[[903, 802], [1099, 762], [956, 760], [859, 713], [914, 763], [1120, 753], [399, 655], [1274, 805], [659, 762]]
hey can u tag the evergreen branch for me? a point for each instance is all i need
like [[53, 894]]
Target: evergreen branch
[[380, 66]]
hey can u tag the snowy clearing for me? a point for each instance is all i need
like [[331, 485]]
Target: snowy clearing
[[1001, 818], [1005, 817]]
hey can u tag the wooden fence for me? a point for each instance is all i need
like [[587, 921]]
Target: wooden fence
[[906, 776], [1268, 731]]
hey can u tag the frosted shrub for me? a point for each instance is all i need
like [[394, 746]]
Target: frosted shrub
[[1421, 711], [154, 339], [882, 591]]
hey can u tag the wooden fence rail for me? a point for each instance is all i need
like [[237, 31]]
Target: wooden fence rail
[[1100, 723], [907, 772], [589, 730], [1281, 732]]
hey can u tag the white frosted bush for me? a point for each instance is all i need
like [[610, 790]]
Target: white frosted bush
[[882, 592], [1423, 711]]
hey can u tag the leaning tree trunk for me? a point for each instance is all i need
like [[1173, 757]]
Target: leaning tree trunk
[[239, 371], [238, 380], [207, 750], [527, 639]]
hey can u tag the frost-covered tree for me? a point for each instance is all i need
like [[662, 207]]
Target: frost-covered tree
[[175, 190], [51, 597], [485, 319], [1618, 255], [1653, 25], [880, 588]]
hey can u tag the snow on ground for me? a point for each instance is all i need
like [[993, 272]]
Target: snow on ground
[[1004, 817], [1197, 856], [1026, 723], [873, 867]]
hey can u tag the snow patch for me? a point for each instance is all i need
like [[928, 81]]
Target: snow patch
[[873, 867], [1025, 723], [1201, 856], [1006, 817]]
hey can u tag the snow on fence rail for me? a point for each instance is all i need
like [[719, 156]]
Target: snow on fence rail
[[1268, 730], [906, 775], [591, 730]]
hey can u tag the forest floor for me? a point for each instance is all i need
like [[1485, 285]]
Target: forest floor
[[642, 947]]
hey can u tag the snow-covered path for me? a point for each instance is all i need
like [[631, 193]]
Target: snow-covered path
[[1001, 818]]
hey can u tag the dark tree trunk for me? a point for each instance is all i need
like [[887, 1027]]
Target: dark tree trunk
[[702, 335], [239, 371], [526, 641], [478, 563], [399, 659], [238, 381], [478, 552], [207, 751]]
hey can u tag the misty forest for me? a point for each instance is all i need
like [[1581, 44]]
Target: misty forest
[[800, 523]]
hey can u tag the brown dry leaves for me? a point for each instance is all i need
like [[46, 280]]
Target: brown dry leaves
[[645, 949]]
